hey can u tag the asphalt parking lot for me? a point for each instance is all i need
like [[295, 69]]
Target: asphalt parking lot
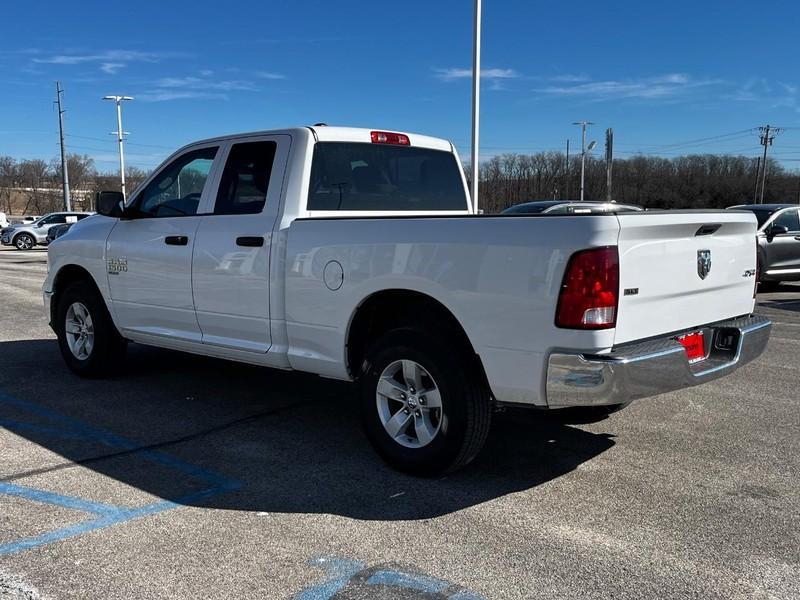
[[188, 477]]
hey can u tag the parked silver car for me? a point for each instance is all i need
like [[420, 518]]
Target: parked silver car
[[569, 207], [778, 241], [25, 237]]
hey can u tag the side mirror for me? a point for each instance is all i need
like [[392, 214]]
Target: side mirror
[[774, 230], [110, 204]]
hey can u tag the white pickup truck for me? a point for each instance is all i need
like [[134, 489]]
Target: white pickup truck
[[356, 255]]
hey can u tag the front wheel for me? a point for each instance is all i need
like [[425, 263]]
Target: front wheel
[[24, 242], [424, 408], [87, 338]]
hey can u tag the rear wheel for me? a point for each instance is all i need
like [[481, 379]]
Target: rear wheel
[[87, 338], [425, 409], [24, 242]]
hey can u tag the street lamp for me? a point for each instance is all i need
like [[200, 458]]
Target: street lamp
[[120, 133], [584, 150]]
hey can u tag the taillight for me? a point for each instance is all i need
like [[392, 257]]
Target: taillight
[[387, 137], [590, 290]]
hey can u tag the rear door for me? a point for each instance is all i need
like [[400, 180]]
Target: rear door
[[230, 268], [783, 251], [679, 270], [149, 256]]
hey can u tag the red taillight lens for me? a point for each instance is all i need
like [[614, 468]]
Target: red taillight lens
[[387, 137], [590, 290]]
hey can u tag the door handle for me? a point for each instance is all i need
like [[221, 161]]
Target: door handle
[[797, 237], [176, 240], [250, 241]]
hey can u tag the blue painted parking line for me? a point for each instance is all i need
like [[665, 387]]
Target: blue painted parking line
[[355, 579], [105, 515]]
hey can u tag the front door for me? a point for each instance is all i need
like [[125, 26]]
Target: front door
[[149, 255], [230, 269], [783, 251]]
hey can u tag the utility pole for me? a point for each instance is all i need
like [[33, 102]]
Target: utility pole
[[120, 136], [566, 172], [476, 99], [766, 140], [758, 179], [64, 174], [583, 125], [609, 161]]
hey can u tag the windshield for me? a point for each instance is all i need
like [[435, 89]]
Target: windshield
[[527, 209], [762, 214]]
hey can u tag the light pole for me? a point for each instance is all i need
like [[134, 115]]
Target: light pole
[[120, 136], [583, 125], [476, 99]]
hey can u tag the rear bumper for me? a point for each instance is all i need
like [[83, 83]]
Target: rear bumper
[[653, 367]]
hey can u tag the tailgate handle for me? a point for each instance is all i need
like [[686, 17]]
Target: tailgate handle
[[708, 229], [250, 241]]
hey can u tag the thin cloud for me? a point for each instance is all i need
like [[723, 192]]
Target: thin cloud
[[759, 90], [650, 88], [568, 78], [453, 74], [168, 95], [202, 83], [102, 57], [269, 75], [111, 68]]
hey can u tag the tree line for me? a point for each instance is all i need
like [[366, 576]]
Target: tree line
[[693, 181], [33, 186]]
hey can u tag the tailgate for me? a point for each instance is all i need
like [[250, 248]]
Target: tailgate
[[679, 270]]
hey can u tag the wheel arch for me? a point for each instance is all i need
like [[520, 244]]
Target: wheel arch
[[389, 309], [23, 232], [66, 276]]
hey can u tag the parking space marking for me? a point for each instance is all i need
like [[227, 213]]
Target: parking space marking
[[355, 579], [58, 425]]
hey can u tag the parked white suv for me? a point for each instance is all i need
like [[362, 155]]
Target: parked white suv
[[356, 255], [26, 236]]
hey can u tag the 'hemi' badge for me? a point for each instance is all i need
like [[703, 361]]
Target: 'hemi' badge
[[631, 291]]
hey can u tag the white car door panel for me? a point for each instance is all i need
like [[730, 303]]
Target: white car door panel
[[230, 268], [149, 255]]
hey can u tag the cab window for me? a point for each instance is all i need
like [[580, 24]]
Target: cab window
[[245, 180], [379, 177], [176, 191]]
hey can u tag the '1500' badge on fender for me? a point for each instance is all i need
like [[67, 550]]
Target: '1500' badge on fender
[[117, 266], [703, 263]]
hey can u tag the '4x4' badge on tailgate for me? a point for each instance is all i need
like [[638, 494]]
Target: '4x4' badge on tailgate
[[703, 263]]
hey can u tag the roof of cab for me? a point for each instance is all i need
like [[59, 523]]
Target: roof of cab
[[325, 133]]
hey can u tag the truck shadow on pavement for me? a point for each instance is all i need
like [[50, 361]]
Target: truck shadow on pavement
[[290, 442]]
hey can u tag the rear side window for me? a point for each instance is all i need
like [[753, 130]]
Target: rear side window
[[377, 177], [245, 180]]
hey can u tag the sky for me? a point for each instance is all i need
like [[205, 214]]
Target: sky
[[670, 78]]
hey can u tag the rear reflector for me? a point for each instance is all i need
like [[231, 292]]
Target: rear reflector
[[387, 137], [590, 290], [694, 345]]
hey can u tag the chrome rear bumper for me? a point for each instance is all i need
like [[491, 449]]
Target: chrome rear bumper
[[653, 367]]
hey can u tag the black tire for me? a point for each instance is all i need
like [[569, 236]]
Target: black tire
[[108, 351], [24, 241], [465, 415]]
